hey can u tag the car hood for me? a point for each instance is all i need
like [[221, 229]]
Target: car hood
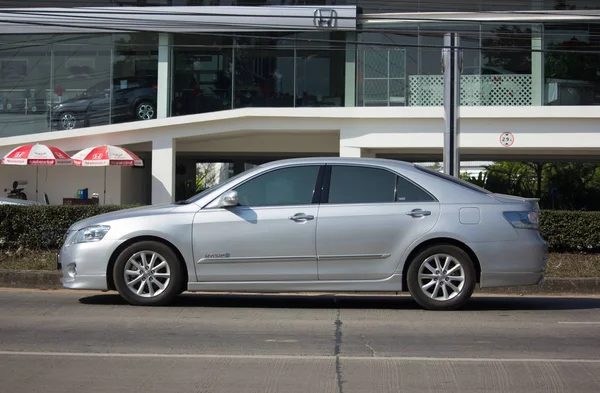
[[11, 201], [142, 211], [74, 101]]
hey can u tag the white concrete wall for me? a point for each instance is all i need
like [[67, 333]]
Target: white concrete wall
[[135, 185], [63, 182], [371, 128], [349, 131]]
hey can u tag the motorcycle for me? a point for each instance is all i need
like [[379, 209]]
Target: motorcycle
[[17, 192]]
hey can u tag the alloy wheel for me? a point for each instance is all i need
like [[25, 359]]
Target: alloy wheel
[[147, 274], [145, 112], [441, 277], [68, 121]]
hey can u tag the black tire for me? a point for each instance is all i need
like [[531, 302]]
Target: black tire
[[164, 253], [454, 301]]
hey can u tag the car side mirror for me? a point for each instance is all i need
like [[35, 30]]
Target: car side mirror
[[229, 199]]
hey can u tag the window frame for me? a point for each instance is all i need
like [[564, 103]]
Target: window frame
[[317, 190], [327, 186]]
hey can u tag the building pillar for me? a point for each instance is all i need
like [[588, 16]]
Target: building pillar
[[238, 167], [356, 152], [350, 85], [163, 170], [163, 107], [538, 61]]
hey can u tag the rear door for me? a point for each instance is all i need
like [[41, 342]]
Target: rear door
[[368, 217]]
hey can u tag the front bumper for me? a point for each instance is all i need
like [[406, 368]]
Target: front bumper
[[84, 265]]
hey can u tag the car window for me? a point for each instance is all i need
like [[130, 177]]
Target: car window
[[409, 192], [281, 187], [98, 88], [453, 179], [355, 184]]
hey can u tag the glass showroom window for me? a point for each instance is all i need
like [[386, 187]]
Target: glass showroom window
[[201, 78], [320, 64], [384, 63], [572, 64], [65, 82], [25, 88], [405, 68], [264, 70]]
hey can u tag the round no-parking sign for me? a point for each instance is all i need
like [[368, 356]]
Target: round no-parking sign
[[507, 139]]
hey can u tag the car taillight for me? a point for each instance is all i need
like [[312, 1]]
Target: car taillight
[[155, 86], [523, 220]]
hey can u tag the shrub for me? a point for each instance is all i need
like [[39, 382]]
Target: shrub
[[571, 231], [42, 227]]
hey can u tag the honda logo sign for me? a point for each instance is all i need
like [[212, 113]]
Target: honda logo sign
[[325, 18]]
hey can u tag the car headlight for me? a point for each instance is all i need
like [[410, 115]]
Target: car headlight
[[90, 234]]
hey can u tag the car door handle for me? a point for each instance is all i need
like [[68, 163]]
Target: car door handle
[[301, 217], [418, 213]]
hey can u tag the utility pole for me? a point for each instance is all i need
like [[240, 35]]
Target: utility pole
[[451, 68]]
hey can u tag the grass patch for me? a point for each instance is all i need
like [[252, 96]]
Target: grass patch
[[573, 265], [559, 264], [28, 260]]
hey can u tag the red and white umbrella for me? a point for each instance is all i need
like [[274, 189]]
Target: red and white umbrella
[[37, 155], [106, 155]]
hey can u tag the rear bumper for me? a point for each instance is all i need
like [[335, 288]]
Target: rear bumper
[[513, 263], [511, 279]]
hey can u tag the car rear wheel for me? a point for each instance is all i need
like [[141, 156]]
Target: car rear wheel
[[442, 277], [148, 273], [145, 111]]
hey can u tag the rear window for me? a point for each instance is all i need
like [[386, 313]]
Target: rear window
[[454, 180]]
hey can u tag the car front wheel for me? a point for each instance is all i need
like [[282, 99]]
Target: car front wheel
[[68, 121], [148, 273], [442, 277]]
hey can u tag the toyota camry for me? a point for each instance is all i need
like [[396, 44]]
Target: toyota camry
[[314, 225]]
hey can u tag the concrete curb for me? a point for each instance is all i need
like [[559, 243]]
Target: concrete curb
[[48, 279], [30, 279]]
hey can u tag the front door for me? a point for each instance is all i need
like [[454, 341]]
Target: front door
[[269, 236], [363, 227]]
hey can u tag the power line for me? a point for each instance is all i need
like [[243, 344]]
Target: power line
[[378, 5]]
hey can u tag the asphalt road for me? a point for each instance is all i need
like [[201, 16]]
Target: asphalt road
[[91, 342]]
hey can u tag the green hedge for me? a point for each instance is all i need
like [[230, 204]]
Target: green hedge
[[42, 227], [571, 231]]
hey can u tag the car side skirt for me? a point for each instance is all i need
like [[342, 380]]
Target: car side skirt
[[390, 284]]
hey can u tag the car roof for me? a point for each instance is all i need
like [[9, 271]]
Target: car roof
[[342, 160]]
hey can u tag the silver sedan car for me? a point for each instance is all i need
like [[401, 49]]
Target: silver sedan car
[[314, 225]]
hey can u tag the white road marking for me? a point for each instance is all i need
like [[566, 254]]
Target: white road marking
[[280, 341], [291, 357], [580, 323]]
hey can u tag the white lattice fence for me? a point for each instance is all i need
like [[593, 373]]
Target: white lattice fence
[[475, 90]]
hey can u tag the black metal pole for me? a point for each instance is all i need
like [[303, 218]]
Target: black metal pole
[[451, 65]]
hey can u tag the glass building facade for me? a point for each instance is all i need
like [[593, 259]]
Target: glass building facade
[[63, 81], [281, 70], [367, 6], [73, 81], [508, 64]]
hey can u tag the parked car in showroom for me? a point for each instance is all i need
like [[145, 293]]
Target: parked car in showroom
[[319, 224], [131, 98]]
